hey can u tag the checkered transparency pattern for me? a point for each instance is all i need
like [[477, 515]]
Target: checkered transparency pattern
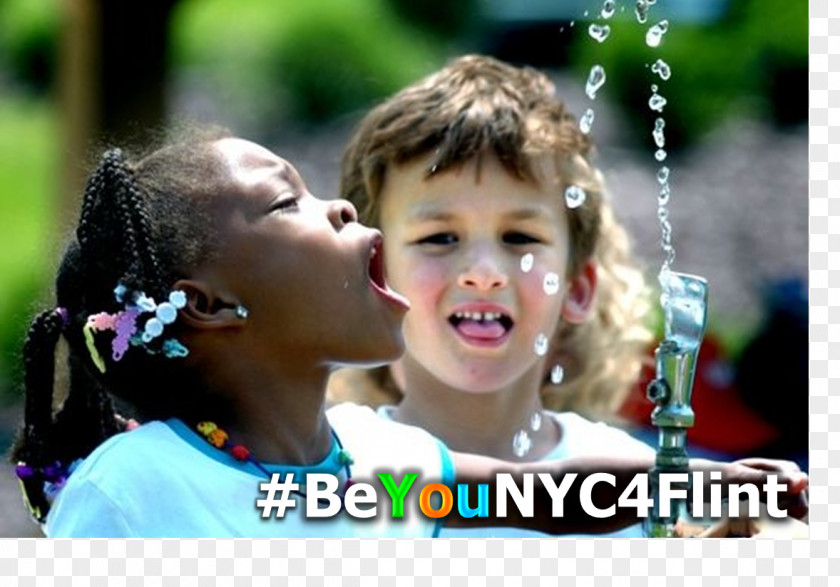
[[596, 562]]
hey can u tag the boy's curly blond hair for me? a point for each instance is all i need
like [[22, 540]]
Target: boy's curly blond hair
[[478, 106]]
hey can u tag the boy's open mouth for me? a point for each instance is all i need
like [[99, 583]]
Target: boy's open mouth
[[481, 325], [376, 274]]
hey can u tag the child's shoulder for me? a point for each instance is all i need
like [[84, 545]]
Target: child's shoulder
[[580, 437], [128, 450]]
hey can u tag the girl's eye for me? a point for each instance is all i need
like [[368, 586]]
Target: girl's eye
[[519, 238], [287, 204], [441, 238]]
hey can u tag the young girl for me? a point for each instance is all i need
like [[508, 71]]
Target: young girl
[[497, 228], [207, 288]]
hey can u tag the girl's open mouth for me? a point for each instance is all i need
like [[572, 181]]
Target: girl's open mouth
[[376, 274]]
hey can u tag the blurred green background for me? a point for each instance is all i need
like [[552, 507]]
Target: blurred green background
[[264, 66], [78, 74]]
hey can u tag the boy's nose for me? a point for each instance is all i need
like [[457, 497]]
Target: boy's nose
[[341, 212], [483, 274]]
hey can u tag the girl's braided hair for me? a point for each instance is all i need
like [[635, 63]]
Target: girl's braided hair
[[142, 224]]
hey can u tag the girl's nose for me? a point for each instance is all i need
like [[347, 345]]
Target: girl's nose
[[341, 212], [484, 273]]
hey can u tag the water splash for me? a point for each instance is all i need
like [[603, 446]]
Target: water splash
[[541, 344], [586, 121], [608, 10], [521, 443], [527, 262], [659, 132], [654, 35], [664, 195], [662, 69], [599, 32], [551, 283], [597, 77], [656, 102], [557, 374], [642, 11], [575, 197]]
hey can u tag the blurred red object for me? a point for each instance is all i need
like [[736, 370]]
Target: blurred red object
[[722, 421]]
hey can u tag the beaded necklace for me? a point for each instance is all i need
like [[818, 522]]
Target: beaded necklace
[[221, 440]]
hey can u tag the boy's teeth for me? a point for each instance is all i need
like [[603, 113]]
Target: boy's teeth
[[478, 316]]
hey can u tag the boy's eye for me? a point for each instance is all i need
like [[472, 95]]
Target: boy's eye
[[441, 238], [519, 238]]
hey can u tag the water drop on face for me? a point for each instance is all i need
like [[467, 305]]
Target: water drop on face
[[557, 374], [662, 175], [551, 283], [642, 11], [527, 262], [654, 35], [541, 345], [536, 421], [575, 197], [599, 32], [597, 77], [662, 69], [660, 155], [609, 9], [586, 121]]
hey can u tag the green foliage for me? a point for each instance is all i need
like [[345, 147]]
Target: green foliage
[[732, 67], [312, 61], [29, 152], [29, 31]]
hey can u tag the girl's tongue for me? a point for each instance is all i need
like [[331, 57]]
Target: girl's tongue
[[484, 329]]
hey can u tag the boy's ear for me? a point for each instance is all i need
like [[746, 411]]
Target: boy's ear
[[580, 297], [205, 308]]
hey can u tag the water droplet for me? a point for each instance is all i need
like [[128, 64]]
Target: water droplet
[[599, 32], [660, 155], [654, 88], [527, 262], [664, 195], [575, 197], [585, 13], [657, 102], [536, 421], [662, 69], [597, 77], [662, 214], [551, 283], [521, 443], [655, 33], [586, 121], [541, 345], [662, 175], [658, 132], [609, 9], [557, 374], [572, 23], [642, 11]]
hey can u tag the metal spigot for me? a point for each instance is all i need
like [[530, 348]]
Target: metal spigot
[[670, 391]]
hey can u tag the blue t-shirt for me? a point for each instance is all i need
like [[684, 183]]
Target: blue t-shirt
[[164, 480]]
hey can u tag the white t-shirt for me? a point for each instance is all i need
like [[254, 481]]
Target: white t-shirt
[[164, 480], [580, 438]]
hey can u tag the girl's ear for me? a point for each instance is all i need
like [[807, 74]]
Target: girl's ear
[[580, 297], [205, 308]]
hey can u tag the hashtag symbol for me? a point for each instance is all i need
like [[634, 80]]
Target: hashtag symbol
[[272, 502]]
